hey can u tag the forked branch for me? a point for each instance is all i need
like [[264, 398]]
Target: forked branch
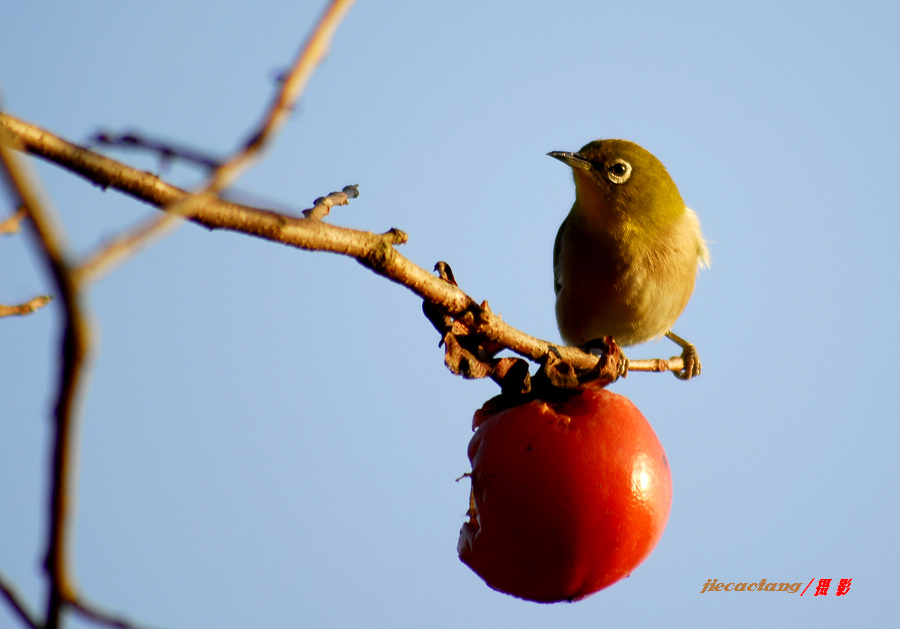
[[375, 251]]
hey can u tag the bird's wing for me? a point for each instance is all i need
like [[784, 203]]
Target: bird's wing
[[557, 266]]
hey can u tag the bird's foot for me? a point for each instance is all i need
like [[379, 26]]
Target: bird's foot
[[689, 358]]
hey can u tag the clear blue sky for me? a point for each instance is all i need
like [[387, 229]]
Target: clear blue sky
[[270, 437]]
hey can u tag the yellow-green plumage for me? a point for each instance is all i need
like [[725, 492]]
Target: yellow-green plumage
[[626, 256]]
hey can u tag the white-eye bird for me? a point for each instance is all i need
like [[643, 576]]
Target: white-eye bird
[[626, 257]]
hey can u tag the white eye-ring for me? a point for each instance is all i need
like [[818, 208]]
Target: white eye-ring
[[619, 171]]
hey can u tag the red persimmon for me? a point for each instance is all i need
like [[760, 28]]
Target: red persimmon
[[568, 496]]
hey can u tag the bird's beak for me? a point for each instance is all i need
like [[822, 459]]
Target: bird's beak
[[573, 160]]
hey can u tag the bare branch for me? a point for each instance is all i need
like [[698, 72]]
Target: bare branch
[[17, 604], [27, 308], [77, 339], [100, 616], [168, 151], [322, 206], [294, 82], [375, 251], [75, 346], [674, 364], [118, 249], [312, 53]]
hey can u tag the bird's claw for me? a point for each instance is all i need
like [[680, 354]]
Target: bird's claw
[[689, 358], [691, 362]]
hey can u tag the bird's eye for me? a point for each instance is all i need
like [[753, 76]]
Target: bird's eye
[[619, 171]]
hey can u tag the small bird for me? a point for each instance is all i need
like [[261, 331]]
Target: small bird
[[626, 257]]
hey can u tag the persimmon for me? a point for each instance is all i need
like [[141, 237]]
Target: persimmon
[[568, 496]]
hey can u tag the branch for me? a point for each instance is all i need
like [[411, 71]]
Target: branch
[[374, 251], [168, 151], [76, 345], [292, 86], [77, 340], [322, 206], [100, 616], [27, 308], [294, 82], [12, 597]]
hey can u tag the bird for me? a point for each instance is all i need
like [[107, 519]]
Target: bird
[[627, 255]]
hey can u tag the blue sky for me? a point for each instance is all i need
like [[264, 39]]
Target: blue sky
[[270, 437]]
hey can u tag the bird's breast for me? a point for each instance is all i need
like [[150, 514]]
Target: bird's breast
[[612, 285]]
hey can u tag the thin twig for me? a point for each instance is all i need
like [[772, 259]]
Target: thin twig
[[294, 82], [168, 151], [75, 346], [228, 171], [17, 604], [27, 308], [94, 613], [11, 225], [375, 251], [322, 206], [674, 364]]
